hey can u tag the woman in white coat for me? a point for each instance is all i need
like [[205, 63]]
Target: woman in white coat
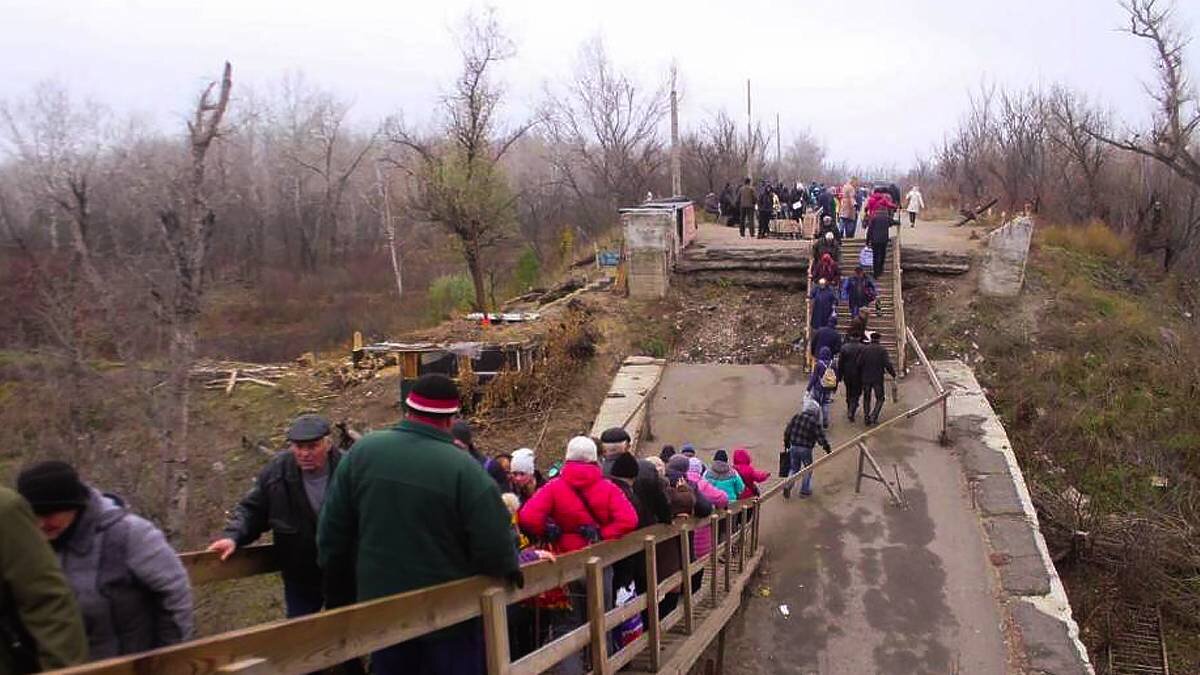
[[915, 204]]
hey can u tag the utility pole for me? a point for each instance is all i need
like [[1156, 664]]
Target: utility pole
[[676, 165], [749, 136]]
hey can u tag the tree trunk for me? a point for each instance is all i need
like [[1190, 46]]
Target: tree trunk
[[474, 266], [389, 229], [175, 441]]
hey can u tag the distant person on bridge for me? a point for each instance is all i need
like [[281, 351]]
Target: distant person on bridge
[[824, 302], [766, 208], [847, 208], [915, 204], [406, 509], [723, 477], [880, 201], [45, 628], [286, 498], [129, 583], [874, 361], [747, 197], [858, 291], [804, 431], [849, 373]]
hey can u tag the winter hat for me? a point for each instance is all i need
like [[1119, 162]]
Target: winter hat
[[307, 428], [721, 456], [688, 449], [581, 449], [522, 461], [461, 431], [52, 486], [433, 393], [624, 466], [720, 469], [678, 463], [667, 453], [824, 354], [694, 464], [614, 435]]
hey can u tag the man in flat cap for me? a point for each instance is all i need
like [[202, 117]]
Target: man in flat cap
[[286, 498]]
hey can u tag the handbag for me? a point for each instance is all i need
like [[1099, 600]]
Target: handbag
[[785, 464]]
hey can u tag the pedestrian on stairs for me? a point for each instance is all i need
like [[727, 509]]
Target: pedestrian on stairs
[[849, 372], [817, 386], [826, 337], [827, 268], [746, 200], [858, 291], [878, 234], [874, 361], [847, 208], [858, 325], [824, 303], [826, 245]]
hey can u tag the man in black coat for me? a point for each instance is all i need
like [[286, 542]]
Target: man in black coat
[[874, 361], [849, 371], [286, 498], [878, 234]]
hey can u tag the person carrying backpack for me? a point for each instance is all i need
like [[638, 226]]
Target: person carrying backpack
[[822, 383], [858, 290]]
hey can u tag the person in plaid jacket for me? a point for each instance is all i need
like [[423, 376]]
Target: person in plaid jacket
[[803, 432]]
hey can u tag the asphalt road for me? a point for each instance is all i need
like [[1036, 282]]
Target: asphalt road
[[869, 587]]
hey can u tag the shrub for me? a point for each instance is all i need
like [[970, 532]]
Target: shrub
[[528, 271], [1095, 238], [450, 293]]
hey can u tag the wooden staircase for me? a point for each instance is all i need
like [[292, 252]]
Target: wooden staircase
[[883, 319]]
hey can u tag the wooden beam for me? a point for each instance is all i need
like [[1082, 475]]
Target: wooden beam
[[713, 581], [685, 556], [205, 567], [595, 613], [232, 382], [495, 631], [653, 629]]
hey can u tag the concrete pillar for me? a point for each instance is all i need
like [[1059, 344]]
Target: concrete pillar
[[1003, 271]]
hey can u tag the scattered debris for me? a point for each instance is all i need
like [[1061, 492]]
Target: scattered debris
[[783, 609]]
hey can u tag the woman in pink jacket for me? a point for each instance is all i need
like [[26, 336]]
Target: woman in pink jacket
[[750, 475]]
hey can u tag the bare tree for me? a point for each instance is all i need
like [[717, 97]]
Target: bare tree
[[1073, 126], [1171, 139], [457, 178], [186, 228]]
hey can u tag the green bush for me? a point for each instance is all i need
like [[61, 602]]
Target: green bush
[[450, 293], [528, 271]]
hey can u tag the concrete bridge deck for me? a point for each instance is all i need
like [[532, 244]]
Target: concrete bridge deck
[[870, 588]]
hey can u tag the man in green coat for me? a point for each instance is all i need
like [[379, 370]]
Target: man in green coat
[[37, 607], [408, 509]]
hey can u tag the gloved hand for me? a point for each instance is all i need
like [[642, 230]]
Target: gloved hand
[[590, 532], [553, 531], [828, 449]]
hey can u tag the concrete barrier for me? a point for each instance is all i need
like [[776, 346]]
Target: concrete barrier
[[1003, 271], [1035, 598], [628, 397]]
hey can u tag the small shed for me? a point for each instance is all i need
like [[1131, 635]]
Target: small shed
[[656, 233], [481, 360]]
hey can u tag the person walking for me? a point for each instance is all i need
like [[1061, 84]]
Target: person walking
[[874, 361], [916, 204], [849, 372], [130, 586], [878, 234], [818, 385], [847, 211], [679, 473], [803, 432], [827, 268], [747, 197], [824, 301], [751, 477], [826, 337], [40, 625], [407, 509], [286, 499], [766, 208], [858, 291]]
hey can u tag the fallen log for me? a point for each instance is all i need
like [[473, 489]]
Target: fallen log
[[972, 214]]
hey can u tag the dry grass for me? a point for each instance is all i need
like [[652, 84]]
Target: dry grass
[[1094, 238]]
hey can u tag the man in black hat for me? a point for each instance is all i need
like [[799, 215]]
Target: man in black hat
[[408, 509], [616, 442], [286, 498]]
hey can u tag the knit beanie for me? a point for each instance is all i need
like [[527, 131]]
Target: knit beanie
[[581, 449], [52, 486], [721, 456], [433, 393], [694, 464], [688, 449], [624, 466], [667, 453], [522, 461], [678, 463]]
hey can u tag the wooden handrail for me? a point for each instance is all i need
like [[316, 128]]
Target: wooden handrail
[[929, 372], [898, 300], [206, 567]]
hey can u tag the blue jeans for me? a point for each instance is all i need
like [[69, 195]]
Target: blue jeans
[[301, 599], [801, 457], [849, 227]]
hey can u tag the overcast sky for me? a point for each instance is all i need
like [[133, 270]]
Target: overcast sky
[[877, 80]]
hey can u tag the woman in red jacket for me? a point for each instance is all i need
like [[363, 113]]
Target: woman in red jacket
[[579, 507]]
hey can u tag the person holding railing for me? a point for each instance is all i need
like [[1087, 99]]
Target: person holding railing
[[407, 509], [286, 499]]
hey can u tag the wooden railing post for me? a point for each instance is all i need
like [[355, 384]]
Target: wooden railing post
[[653, 628], [716, 541], [728, 547], [595, 611], [742, 539], [495, 631], [686, 590], [757, 518]]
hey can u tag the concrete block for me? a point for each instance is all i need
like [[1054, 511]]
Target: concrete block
[[1015, 554], [998, 496], [1048, 645], [1003, 271]]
